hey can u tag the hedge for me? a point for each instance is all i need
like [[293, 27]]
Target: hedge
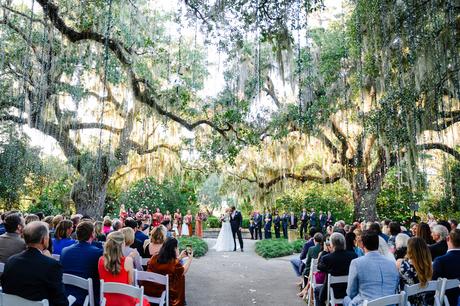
[[199, 246], [272, 248]]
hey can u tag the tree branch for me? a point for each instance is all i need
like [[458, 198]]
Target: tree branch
[[441, 147], [91, 125]]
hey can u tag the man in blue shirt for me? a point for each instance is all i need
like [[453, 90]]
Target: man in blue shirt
[[81, 259]]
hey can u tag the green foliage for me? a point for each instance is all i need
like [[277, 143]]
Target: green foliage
[[199, 246], [54, 200], [168, 195], [272, 248], [213, 222], [334, 197], [298, 245]]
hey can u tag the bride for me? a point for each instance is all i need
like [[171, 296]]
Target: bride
[[225, 241]]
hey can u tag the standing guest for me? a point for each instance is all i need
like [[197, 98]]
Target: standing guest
[[329, 219], [401, 246], [416, 268], [107, 225], [32, 275], [62, 236], [293, 221], [448, 266], [114, 267], [251, 226], [313, 219], [31, 218], [337, 263], [128, 233], [157, 217], [100, 236], [167, 262], [285, 223], [371, 276], [167, 216], [277, 224], [178, 219], [303, 222], [199, 224], [267, 225], [424, 232], [188, 221], [453, 224], [81, 259], [322, 221], [11, 242], [439, 234], [157, 238], [258, 219]]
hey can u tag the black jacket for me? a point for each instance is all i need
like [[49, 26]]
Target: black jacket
[[237, 221], [34, 276], [438, 249], [448, 266]]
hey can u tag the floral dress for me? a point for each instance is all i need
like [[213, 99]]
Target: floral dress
[[408, 276]]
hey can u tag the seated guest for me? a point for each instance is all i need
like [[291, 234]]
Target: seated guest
[[337, 263], [453, 224], [116, 225], [54, 224], [297, 263], [2, 225], [62, 236], [139, 234], [375, 227], [136, 244], [394, 229], [32, 275], [439, 234], [371, 276], [401, 246], [416, 268], [167, 225], [107, 225], [81, 259], [424, 232], [313, 252], [31, 218], [114, 267], [167, 262], [448, 266], [11, 242], [350, 239], [128, 233], [153, 246], [384, 250], [100, 236]]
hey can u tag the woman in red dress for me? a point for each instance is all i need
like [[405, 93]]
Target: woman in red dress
[[178, 218], [167, 262], [114, 267], [188, 220], [157, 218], [167, 216], [199, 224]]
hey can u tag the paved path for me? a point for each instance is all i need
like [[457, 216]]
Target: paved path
[[238, 279]]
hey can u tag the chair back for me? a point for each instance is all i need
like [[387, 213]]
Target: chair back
[[395, 299], [10, 299], [155, 278], [86, 284], [2, 267], [330, 291], [56, 256], [447, 285], [120, 288], [145, 261], [314, 265], [432, 286]]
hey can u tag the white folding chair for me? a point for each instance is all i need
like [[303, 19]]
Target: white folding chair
[[10, 300], [447, 285], [312, 281], [86, 284], [56, 256], [432, 286], [120, 288], [331, 280], [155, 278], [395, 299], [2, 267]]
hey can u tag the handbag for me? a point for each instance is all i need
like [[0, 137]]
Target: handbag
[[320, 277]]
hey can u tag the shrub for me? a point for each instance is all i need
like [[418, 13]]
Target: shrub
[[212, 222], [246, 223], [199, 246], [271, 248], [298, 245]]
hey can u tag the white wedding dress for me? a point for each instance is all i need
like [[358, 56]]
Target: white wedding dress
[[225, 241]]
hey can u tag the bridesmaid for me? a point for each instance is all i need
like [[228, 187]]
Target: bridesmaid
[[167, 216], [157, 218], [198, 224], [178, 218], [188, 220]]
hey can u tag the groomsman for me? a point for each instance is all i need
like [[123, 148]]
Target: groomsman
[[268, 225], [251, 227], [258, 219], [322, 220], [292, 221], [303, 222], [313, 221], [285, 223], [277, 224]]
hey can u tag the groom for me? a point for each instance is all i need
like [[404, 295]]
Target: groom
[[236, 221]]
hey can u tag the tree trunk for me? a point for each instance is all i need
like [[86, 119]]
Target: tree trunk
[[89, 197], [365, 203]]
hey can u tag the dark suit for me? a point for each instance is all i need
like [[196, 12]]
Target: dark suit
[[438, 249], [337, 264], [258, 226], [34, 276], [268, 226], [313, 221], [285, 223], [236, 222], [277, 225], [322, 222], [81, 260], [448, 266], [293, 222], [303, 223]]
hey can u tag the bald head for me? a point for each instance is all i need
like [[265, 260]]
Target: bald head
[[35, 232]]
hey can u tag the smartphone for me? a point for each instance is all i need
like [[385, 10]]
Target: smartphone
[[188, 249]]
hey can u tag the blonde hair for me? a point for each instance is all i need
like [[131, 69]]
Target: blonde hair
[[420, 257], [113, 252], [158, 235], [107, 221], [128, 233]]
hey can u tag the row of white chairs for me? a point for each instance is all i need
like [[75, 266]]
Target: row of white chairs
[[106, 287]]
